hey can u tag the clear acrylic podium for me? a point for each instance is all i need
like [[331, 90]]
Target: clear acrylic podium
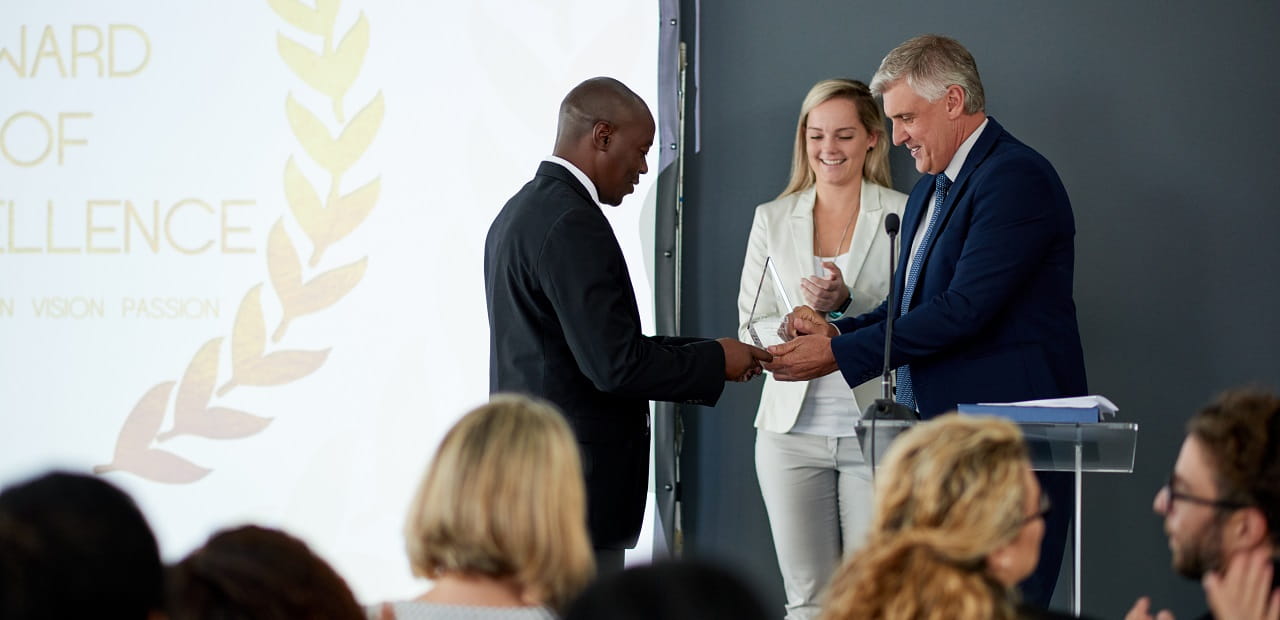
[[1103, 447]]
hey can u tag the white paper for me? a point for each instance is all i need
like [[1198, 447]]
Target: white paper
[[1104, 405]]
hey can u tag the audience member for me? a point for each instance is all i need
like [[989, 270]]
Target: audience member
[[74, 546], [259, 573], [499, 522], [958, 521], [668, 591], [1221, 507]]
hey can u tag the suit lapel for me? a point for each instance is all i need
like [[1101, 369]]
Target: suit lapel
[[801, 221], [911, 218], [870, 214], [977, 154]]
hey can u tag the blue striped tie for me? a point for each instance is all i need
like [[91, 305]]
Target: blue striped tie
[[906, 391]]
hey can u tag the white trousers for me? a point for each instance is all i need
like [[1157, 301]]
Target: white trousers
[[818, 493]]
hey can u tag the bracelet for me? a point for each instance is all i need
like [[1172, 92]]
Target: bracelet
[[839, 312]]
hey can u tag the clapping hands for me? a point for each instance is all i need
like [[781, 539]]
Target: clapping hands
[[825, 294]]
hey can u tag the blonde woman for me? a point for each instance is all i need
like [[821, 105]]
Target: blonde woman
[[825, 236], [958, 523], [499, 523]]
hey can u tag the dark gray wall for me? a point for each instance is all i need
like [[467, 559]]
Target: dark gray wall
[[1161, 119]]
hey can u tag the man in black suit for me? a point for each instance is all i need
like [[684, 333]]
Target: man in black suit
[[563, 320]]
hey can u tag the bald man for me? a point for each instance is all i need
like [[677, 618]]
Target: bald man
[[563, 320]]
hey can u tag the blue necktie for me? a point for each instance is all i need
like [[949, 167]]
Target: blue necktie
[[906, 391]]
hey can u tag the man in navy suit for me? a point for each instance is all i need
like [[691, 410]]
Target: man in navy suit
[[563, 321], [982, 297]]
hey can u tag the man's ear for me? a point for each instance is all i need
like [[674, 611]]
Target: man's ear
[[1247, 529], [601, 135], [955, 101]]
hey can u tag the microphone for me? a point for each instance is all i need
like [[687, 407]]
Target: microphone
[[885, 408], [891, 223]]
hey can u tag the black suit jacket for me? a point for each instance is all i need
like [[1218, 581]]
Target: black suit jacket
[[564, 326]]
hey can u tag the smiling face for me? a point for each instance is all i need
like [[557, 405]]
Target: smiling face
[[837, 142], [930, 130], [621, 155]]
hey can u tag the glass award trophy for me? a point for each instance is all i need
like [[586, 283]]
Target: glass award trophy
[[767, 330]]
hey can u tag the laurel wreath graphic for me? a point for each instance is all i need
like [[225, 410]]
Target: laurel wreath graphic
[[324, 221]]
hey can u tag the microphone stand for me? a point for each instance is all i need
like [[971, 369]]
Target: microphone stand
[[885, 407]]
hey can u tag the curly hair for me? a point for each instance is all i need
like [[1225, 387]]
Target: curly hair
[[951, 491], [1240, 431]]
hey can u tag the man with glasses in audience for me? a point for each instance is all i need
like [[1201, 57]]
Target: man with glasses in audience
[[1221, 507]]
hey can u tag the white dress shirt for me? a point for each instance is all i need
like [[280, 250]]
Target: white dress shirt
[[953, 169]]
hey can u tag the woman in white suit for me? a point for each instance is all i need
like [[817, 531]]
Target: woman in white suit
[[825, 236]]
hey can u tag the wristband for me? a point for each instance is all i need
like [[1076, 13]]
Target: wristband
[[839, 312]]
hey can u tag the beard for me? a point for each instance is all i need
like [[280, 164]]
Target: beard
[[1201, 556]]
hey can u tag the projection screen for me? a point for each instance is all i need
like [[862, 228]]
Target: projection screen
[[241, 244]]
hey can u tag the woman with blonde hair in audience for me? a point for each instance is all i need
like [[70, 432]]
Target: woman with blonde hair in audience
[[499, 521], [958, 522]]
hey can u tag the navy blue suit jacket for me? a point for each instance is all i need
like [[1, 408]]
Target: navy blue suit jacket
[[991, 318]]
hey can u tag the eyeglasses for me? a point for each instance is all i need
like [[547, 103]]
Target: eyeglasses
[[1192, 499], [1042, 512]]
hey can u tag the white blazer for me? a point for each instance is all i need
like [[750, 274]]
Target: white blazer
[[783, 229]]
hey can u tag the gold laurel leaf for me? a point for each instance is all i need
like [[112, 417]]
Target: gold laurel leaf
[[351, 209], [317, 21], [342, 67], [224, 423], [304, 62], [142, 424], [328, 11], [344, 215], [326, 289], [285, 270], [330, 73], [305, 204], [284, 366], [314, 136], [157, 466], [335, 156], [248, 335], [195, 390], [359, 134]]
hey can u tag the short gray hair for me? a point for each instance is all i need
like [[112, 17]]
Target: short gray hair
[[930, 63]]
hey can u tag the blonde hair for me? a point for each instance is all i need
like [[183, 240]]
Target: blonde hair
[[950, 492], [876, 166], [504, 498]]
